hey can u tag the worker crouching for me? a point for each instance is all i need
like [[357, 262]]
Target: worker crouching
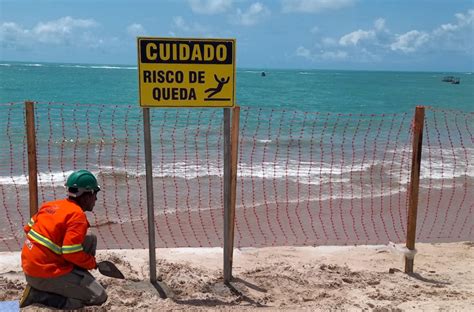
[[58, 253]]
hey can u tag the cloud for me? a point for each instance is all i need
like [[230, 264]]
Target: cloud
[[454, 37], [302, 51], [357, 36], [378, 42], [375, 36], [182, 26], [457, 36], [63, 31], [329, 42], [314, 6], [464, 21], [334, 55], [410, 41], [180, 23], [379, 24], [360, 45], [13, 35], [210, 6], [253, 15], [135, 30], [321, 55]]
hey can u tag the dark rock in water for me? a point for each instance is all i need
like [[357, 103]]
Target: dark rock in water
[[263, 74]]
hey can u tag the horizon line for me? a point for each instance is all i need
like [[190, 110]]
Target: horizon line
[[248, 68]]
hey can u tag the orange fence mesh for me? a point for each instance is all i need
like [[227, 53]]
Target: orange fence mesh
[[303, 178]]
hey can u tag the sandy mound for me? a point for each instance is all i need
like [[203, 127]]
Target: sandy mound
[[282, 278]]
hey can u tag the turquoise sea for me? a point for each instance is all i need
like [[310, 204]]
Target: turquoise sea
[[369, 92], [273, 108]]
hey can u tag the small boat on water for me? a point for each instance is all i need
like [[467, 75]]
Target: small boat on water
[[452, 79]]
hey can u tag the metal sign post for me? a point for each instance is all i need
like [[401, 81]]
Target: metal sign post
[[227, 197], [149, 194]]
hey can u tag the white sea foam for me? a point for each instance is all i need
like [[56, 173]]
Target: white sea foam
[[304, 172], [51, 178], [112, 67], [17, 180], [73, 66], [447, 163], [97, 66]]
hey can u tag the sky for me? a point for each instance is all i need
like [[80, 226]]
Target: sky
[[406, 35]]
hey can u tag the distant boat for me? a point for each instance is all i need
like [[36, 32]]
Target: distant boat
[[456, 80], [448, 79], [263, 74]]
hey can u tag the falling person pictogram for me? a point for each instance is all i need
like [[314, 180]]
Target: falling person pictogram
[[213, 91]]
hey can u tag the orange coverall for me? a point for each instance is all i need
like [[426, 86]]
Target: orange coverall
[[54, 240]]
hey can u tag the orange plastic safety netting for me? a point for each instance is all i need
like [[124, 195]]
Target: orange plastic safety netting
[[303, 178]]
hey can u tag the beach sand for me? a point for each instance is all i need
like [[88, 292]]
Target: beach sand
[[282, 278]]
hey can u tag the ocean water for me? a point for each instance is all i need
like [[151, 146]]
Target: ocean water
[[309, 106], [367, 92], [311, 137]]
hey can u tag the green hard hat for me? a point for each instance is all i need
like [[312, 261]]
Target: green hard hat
[[81, 181]]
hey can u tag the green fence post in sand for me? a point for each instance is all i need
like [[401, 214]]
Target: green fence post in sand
[[418, 124], [32, 164]]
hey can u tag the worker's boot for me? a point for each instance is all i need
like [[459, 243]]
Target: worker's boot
[[26, 298], [32, 296]]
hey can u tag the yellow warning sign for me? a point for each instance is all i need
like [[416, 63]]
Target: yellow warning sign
[[179, 72]]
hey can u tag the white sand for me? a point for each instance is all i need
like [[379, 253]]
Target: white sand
[[282, 278]]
